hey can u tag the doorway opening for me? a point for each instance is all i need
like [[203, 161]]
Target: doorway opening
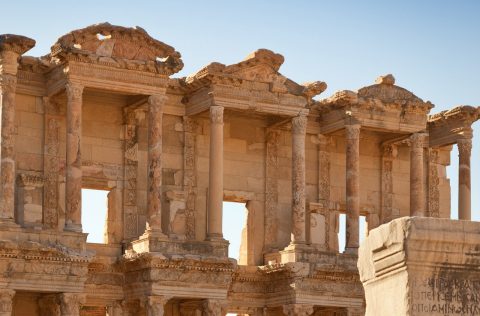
[[94, 214], [235, 229]]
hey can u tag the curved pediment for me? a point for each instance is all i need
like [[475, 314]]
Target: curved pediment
[[110, 43], [385, 90]]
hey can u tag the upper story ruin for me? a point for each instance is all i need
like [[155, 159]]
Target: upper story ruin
[[102, 111]]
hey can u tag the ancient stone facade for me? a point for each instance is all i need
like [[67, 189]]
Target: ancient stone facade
[[103, 111]]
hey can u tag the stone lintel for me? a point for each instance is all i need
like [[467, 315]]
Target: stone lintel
[[421, 266]]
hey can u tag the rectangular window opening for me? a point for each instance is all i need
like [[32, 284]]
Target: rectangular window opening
[[94, 214], [342, 219], [235, 230]]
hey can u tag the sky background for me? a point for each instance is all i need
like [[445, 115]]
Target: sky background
[[431, 47]]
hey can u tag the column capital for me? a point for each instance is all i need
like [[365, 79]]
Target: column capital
[[70, 303], [390, 151], [298, 309], [464, 146], [418, 140], [157, 99], [352, 131], [6, 298], [216, 114], [156, 304], [74, 91], [214, 307], [299, 124]]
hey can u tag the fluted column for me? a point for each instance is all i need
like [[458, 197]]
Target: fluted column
[[215, 178], [154, 195], [11, 48], [464, 193], [6, 302], [73, 186], [299, 128], [417, 185], [352, 187]]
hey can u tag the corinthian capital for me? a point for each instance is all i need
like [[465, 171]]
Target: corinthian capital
[[216, 114], [418, 140], [157, 99], [74, 91], [464, 147], [352, 131], [299, 124]]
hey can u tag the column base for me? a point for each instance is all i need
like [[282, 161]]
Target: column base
[[8, 223], [351, 251], [77, 228]]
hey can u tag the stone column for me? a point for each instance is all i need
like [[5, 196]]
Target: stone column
[[417, 184], [390, 153], [156, 305], [6, 302], [464, 193], [70, 303], [298, 310], [352, 187], [154, 194], [215, 178], [299, 129], [73, 188], [11, 47]]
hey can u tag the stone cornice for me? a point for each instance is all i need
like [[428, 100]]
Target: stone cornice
[[463, 113], [16, 43]]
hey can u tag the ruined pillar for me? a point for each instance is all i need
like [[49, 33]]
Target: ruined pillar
[[299, 129], [156, 305], [70, 303], [11, 48], [352, 187], [73, 189], [417, 185], [215, 178], [6, 302], [464, 193], [298, 309], [154, 194]]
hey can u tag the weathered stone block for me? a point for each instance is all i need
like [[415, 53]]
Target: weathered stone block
[[421, 266]]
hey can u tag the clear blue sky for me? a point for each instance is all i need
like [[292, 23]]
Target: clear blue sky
[[432, 47]]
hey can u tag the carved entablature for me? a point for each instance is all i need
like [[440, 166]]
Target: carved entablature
[[382, 106], [447, 127], [253, 84]]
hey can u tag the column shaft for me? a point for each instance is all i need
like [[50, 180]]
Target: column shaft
[[73, 186], [299, 128], [464, 193], [215, 179], [417, 185], [154, 195], [352, 187], [7, 170]]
